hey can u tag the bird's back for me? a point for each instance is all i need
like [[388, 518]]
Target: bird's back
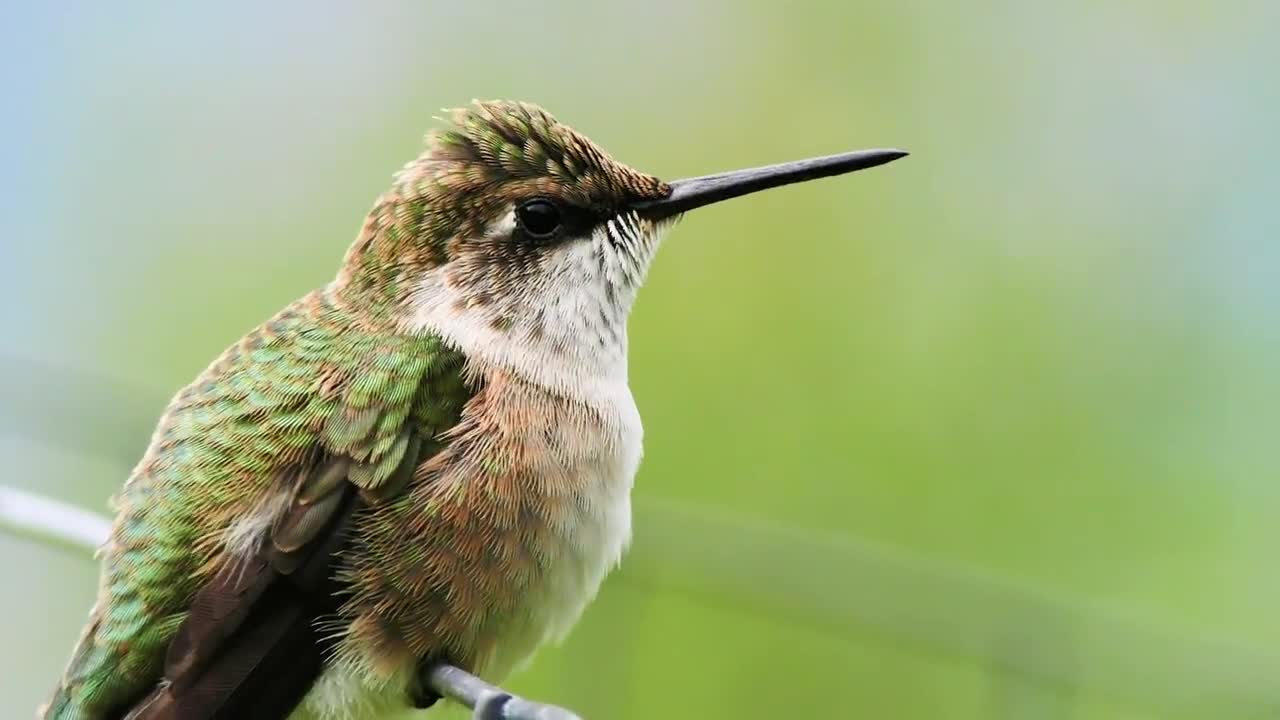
[[308, 384]]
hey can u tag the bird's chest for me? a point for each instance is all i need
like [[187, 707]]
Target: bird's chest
[[510, 533], [577, 461]]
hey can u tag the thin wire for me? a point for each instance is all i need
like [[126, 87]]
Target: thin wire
[[51, 522]]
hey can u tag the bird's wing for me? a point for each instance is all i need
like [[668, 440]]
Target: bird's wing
[[222, 557], [249, 646]]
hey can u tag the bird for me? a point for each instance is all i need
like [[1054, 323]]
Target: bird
[[429, 459]]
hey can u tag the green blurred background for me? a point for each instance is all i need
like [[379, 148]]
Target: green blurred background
[[989, 433]]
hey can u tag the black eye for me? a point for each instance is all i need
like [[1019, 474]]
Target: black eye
[[540, 219]]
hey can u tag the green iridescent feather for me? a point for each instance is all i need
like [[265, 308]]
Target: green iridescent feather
[[313, 381]]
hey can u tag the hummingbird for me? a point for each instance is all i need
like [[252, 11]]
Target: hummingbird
[[427, 460]]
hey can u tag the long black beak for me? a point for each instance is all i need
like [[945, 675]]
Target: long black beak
[[695, 192]]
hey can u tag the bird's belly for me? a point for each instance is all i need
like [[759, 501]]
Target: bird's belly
[[596, 534], [587, 537], [345, 691], [588, 534]]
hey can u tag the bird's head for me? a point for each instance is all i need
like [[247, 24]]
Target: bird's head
[[524, 243]]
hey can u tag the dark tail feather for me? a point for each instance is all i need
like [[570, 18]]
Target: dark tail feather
[[262, 675], [250, 649]]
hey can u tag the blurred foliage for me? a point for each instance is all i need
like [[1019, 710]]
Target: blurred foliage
[[1040, 351]]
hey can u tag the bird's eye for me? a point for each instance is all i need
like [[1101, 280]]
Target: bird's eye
[[540, 219]]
